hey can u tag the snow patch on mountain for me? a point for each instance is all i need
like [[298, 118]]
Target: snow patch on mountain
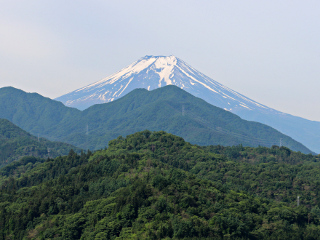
[[151, 72]]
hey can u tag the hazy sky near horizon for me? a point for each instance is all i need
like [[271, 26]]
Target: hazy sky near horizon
[[267, 50]]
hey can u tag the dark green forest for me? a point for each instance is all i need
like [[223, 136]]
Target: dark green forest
[[154, 185], [169, 108], [16, 143]]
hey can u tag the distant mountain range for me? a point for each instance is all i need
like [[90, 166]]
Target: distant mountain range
[[16, 143], [169, 109], [151, 72]]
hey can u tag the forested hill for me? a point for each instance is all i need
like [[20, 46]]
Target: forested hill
[[16, 143], [169, 108], [154, 185]]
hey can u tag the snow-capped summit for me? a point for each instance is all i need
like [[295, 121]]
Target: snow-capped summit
[[152, 72]]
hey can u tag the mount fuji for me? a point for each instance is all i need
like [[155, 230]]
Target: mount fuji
[[151, 72]]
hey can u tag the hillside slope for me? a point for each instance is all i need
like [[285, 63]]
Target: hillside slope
[[16, 143], [31, 111]]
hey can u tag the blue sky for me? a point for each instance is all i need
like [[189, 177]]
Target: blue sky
[[266, 50]]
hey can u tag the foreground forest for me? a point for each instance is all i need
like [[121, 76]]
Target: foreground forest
[[154, 185]]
